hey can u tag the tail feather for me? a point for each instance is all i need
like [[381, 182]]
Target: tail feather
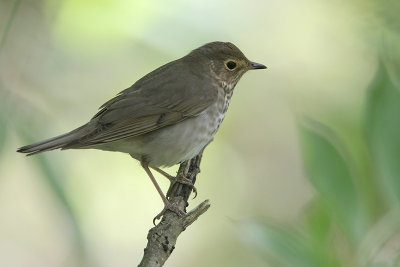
[[53, 143]]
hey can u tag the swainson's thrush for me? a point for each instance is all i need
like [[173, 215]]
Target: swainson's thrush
[[166, 117]]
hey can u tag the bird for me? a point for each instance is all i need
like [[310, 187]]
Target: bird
[[166, 117]]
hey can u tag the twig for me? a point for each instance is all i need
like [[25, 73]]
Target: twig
[[162, 238]]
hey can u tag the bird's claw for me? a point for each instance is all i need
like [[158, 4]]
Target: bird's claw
[[180, 179], [183, 180], [172, 207]]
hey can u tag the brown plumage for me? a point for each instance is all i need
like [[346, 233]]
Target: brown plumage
[[166, 117]]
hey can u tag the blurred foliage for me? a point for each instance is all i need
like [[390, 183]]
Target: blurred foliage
[[28, 134], [54, 177], [85, 29], [3, 121], [339, 227], [331, 177], [383, 131], [353, 218]]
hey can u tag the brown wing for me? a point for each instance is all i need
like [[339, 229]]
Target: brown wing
[[159, 99]]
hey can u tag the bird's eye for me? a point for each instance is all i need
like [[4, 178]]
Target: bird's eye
[[230, 65]]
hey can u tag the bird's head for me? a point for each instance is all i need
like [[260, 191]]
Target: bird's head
[[225, 61]]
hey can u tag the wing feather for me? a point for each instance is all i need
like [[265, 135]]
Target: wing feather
[[159, 99]]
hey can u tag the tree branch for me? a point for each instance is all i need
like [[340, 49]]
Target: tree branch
[[162, 238]]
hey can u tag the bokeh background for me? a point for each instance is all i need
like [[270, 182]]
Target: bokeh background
[[305, 170]]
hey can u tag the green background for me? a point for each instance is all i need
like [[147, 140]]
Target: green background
[[305, 170]]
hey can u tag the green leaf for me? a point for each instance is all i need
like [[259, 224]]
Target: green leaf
[[383, 130], [318, 223], [390, 53], [330, 175], [285, 246]]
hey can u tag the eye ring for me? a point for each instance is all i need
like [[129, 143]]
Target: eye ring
[[231, 65]]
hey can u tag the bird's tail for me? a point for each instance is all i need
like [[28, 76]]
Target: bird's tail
[[60, 141]]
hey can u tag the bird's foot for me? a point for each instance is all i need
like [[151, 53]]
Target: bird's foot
[[178, 179], [183, 180], [172, 207]]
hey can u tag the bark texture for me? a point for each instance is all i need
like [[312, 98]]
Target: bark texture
[[162, 237]]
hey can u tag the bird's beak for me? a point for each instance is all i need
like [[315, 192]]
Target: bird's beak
[[256, 66]]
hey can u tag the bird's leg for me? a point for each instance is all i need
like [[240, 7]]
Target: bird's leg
[[178, 179], [167, 204]]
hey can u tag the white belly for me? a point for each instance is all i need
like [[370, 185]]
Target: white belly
[[176, 143]]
